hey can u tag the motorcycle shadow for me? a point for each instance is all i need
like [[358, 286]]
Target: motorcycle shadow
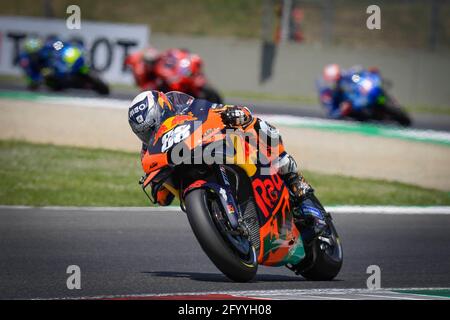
[[218, 277]]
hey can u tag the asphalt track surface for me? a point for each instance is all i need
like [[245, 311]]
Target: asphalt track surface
[[151, 252], [420, 121]]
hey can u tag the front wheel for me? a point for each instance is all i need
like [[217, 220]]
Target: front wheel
[[206, 219]]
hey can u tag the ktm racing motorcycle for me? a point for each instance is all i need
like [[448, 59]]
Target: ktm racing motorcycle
[[240, 210]]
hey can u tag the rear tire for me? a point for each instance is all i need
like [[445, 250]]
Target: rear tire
[[212, 241], [397, 114]]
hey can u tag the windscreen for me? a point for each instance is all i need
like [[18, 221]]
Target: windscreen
[[180, 101]]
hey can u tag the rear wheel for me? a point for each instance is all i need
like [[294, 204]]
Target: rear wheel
[[397, 114], [206, 219]]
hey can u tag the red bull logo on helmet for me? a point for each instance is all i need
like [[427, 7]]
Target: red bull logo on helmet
[[163, 101]]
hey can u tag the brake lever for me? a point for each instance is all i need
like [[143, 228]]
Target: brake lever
[[143, 178]]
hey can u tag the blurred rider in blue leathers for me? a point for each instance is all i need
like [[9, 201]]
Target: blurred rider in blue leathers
[[52, 58], [331, 93], [333, 89], [34, 59]]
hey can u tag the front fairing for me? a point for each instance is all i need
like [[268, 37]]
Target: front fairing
[[280, 240], [70, 60], [362, 89], [181, 101], [183, 130]]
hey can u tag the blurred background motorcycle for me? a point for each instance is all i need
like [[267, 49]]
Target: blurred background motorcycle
[[172, 70], [359, 94], [59, 65]]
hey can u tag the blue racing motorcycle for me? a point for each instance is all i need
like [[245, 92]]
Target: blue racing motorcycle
[[60, 66], [69, 69], [365, 91]]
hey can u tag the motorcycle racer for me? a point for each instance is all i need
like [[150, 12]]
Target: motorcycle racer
[[153, 69], [142, 64], [144, 117], [33, 59], [175, 69], [331, 93], [167, 66], [333, 88], [67, 61]]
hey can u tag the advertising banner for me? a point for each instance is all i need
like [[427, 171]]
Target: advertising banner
[[107, 44]]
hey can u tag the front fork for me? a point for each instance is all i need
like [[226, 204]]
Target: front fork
[[224, 191]]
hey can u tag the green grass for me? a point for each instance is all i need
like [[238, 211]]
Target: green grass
[[427, 109], [343, 190], [34, 174], [240, 18], [266, 96], [39, 175], [404, 24]]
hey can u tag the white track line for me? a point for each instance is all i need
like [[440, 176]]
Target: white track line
[[390, 209], [73, 208], [311, 297], [395, 210], [291, 294], [387, 297]]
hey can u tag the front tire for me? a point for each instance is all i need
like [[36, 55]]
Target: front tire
[[228, 261]]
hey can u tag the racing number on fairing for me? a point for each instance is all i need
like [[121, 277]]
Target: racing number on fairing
[[174, 136]]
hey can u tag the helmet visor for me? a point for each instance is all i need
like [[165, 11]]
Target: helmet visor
[[145, 136]]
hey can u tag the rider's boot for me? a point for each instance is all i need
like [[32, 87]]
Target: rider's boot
[[309, 214]]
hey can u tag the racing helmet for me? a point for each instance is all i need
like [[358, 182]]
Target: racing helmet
[[146, 112], [332, 72], [150, 55]]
